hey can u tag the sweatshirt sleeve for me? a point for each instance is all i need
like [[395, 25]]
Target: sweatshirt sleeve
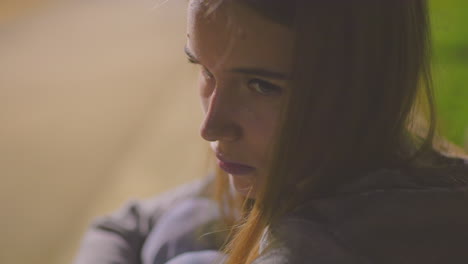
[[115, 239], [118, 238]]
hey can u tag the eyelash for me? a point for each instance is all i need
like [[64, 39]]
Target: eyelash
[[205, 71], [273, 89]]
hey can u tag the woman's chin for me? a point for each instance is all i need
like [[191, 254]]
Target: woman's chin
[[243, 184]]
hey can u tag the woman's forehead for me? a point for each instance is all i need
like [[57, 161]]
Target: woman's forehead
[[234, 34]]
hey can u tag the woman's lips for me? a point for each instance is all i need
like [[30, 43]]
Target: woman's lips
[[234, 168]]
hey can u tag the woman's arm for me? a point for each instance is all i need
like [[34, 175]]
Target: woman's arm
[[119, 237]]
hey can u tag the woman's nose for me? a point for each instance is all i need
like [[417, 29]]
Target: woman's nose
[[220, 123]]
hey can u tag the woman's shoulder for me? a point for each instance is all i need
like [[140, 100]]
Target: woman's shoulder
[[448, 173], [394, 194], [388, 216]]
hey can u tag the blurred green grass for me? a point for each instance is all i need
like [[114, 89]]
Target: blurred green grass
[[450, 36]]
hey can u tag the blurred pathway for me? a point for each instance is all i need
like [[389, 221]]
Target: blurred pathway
[[97, 105]]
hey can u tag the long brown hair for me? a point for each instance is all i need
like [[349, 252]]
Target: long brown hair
[[362, 100]]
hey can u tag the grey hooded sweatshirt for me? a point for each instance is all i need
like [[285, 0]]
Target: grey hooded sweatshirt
[[386, 217]]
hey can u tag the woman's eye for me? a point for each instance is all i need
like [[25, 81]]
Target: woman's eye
[[263, 87]]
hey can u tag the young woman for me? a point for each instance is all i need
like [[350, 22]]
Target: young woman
[[320, 115]]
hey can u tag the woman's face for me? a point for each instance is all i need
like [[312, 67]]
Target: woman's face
[[245, 62]]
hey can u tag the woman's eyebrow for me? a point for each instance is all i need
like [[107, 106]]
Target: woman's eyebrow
[[250, 71], [262, 72]]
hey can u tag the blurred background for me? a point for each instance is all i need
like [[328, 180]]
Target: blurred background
[[98, 106]]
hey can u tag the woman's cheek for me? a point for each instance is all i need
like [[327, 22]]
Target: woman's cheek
[[265, 128], [261, 134]]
